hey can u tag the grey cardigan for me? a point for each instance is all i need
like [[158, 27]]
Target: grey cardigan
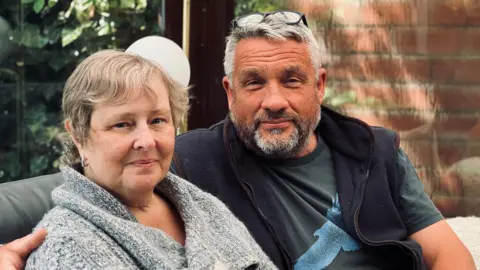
[[91, 229]]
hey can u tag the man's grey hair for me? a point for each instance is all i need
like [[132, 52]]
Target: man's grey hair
[[272, 28]]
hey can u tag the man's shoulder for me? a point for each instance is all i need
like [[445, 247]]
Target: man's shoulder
[[386, 136], [201, 136]]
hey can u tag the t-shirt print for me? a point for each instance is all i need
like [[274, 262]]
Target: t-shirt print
[[331, 240]]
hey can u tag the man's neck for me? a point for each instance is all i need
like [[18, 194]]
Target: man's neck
[[311, 145]]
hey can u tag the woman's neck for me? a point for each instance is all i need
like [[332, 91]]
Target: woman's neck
[[160, 213]]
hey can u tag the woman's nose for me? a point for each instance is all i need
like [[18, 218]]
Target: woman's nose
[[144, 139]]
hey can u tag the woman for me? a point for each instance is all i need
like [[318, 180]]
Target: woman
[[120, 208]]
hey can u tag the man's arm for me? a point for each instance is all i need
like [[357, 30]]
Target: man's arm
[[442, 249], [14, 254]]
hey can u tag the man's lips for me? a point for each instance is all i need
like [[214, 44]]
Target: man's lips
[[276, 124]]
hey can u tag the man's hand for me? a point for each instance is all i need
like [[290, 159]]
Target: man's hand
[[14, 254]]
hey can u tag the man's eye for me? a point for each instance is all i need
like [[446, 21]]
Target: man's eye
[[121, 125], [252, 82], [293, 80]]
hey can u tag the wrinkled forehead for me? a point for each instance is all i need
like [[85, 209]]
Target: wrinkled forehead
[[261, 53]]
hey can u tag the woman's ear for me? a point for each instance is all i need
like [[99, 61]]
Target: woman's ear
[[69, 128]]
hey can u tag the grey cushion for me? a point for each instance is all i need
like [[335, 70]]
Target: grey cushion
[[23, 204]]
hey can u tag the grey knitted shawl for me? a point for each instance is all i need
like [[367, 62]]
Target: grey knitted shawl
[[91, 229]]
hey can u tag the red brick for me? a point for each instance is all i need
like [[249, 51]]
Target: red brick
[[430, 41], [472, 41], [314, 10], [454, 12], [422, 153], [396, 122], [352, 13], [404, 122], [456, 71], [456, 98], [447, 13], [396, 13], [390, 95], [474, 132], [419, 98], [359, 40], [456, 124], [473, 15], [380, 68]]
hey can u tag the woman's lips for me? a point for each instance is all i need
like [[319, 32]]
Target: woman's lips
[[144, 162]]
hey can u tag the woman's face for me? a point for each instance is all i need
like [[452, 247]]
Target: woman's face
[[130, 145]]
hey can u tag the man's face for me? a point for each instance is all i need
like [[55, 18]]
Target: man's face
[[274, 98]]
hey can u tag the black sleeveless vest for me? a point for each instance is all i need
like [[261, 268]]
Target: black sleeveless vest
[[365, 170]]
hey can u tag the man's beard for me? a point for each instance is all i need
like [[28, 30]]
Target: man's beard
[[275, 146]]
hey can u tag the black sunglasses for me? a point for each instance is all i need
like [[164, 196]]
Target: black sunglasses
[[291, 18]]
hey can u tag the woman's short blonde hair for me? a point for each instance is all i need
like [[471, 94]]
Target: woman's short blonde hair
[[109, 76]]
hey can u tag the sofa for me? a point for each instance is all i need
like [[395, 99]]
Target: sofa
[[24, 202]]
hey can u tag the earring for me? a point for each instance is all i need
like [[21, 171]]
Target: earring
[[83, 162]]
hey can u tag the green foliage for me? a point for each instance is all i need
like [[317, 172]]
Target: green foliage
[[41, 43], [340, 100], [244, 7]]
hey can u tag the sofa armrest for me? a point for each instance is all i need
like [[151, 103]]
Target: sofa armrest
[[23, 204]]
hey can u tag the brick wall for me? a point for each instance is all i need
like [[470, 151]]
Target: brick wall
[[421, 60]]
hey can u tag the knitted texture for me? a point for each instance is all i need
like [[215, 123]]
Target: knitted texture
[[91, 229]]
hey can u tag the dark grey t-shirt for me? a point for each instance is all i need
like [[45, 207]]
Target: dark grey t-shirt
[[306, 191]]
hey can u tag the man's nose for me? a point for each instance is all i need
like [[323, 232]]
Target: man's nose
[[144, 138], [274, 99]]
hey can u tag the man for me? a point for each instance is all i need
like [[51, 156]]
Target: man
[[316, 189]]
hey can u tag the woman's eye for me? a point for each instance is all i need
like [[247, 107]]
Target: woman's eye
[[121, 125], [157, 121]]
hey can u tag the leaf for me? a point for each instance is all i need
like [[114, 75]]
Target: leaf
[[9, 73], [38, 6], [35, 56], [343, 99], [52, 3], [27, 1], [371, 101], [104, 30], [57, 63], [141, 4], [127, 4], [52, 34], [328, 93], [70, 35], [69, 10], [29, 36], [38, 164]]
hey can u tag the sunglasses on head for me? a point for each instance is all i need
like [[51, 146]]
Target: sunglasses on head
[[290, 18]]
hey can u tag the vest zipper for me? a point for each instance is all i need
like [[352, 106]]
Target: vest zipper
[[357, 227], [254, 201]]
